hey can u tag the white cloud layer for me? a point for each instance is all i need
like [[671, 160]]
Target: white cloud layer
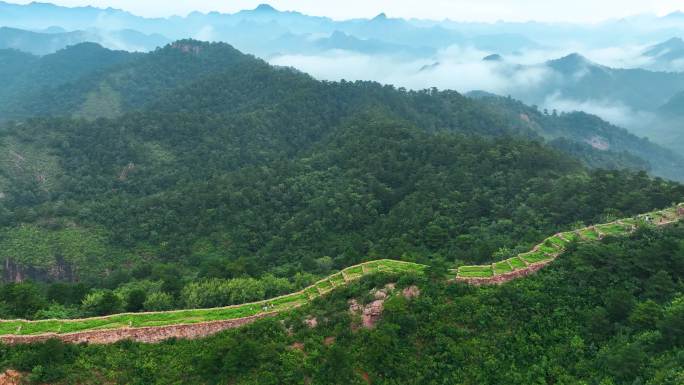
[[462, 69], [457, 68]]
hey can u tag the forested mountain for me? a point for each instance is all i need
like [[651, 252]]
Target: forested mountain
[[43, 43], [576, 80], [30, 79], [196, 175], [35, 42], [595, 141], [606, 313], [634, 98], [217, 165], [674, 107], [667, 55], [622, 86], [639, 89], [221, 79]]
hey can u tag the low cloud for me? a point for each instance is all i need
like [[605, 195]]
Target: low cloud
[[457, 68], [609, 110], [524, 76]]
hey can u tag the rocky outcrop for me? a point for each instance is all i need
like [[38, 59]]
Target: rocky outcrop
[[411, 292], [311, 322], [372, 313], [10, 377], [143, 334], [14, 272]]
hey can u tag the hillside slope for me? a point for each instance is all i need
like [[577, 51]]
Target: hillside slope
[[606, 312], [596, 142], [224, 76], [241, 181], [76, 330]]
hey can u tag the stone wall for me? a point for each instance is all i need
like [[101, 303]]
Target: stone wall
[[143, 334], [506, 277]]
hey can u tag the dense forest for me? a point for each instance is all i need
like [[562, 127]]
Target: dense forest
[[89, 81], [605, 313], [197, 176], [264, 178]]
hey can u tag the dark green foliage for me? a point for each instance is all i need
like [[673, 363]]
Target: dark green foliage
[[560, 326], [235, 169], [21, 300], [33, 81], [102, 302], [596, 142], [135, 300]]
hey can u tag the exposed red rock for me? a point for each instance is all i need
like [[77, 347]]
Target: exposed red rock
[[372, 313], [411, 292], [10, 377], [311, 322], [365, 376], [297, 346], [354, 306]]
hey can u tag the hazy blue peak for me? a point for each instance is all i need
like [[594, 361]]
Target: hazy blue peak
[[675, 15], [672, 49], [493, 57], [54, 29], [265, 8], [571, 61], [675, 42]]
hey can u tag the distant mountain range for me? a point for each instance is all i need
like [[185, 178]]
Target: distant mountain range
[[55, 38], [418, 54], [667, 56], [644, 101], [92, 82], [259, 30]]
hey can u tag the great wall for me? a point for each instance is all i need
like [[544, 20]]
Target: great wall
[[191, 324]]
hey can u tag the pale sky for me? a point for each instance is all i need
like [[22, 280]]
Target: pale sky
[[461, 10]]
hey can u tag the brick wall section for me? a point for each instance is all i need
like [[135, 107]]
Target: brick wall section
[[506, 277], [143, 334]]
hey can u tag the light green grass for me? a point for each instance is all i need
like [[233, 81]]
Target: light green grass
[[324, 286], [475, 271], [517, 263], [547, 249], [534, 257], [558, 242], [589, 234], [502, 268], [614, 229], [570, 236], [337, 280]]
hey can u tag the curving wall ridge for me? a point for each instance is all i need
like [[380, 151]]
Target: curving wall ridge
[[148, 334], [556, 245], [151, 334]]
